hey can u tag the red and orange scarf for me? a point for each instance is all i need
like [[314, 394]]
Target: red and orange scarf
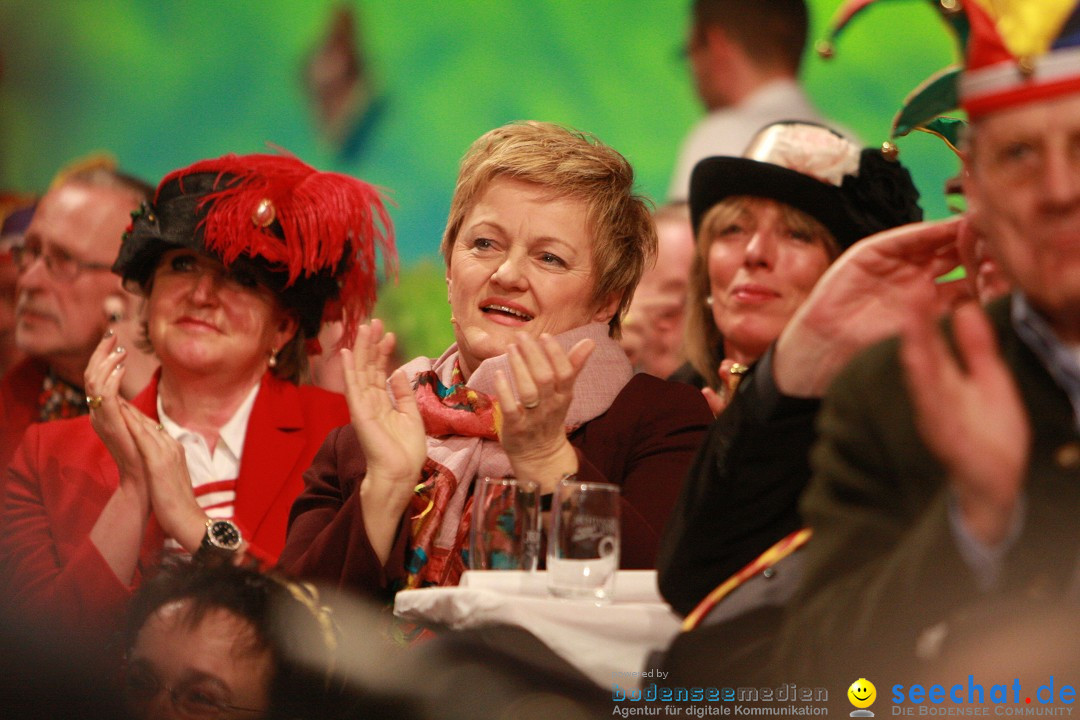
[[462, 420]]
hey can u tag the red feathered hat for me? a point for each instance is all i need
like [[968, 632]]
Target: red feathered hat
[[309, 236]]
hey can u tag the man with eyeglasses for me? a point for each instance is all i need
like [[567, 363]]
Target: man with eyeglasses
[[66, 297]]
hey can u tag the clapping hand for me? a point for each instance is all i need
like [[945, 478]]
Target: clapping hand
[[970, 415], [865, 296], [534, 423], [719, 399], [390, 433], [102, 380], [124, 313], [167, 479], [152, 466]]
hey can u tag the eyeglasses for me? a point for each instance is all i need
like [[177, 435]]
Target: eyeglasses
[[193, 699], [60, 263]]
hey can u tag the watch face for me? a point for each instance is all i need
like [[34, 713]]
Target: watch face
[[225, 535]]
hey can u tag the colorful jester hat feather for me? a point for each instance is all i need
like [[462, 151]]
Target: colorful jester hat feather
[[1019, 51], [1014, 51], [309, 236]]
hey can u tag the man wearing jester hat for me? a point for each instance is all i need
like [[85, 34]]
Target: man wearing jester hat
[[947, 501]]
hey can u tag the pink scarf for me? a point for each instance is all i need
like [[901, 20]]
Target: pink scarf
[[462, 424]]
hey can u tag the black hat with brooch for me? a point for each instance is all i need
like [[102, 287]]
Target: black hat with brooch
[[853, 192]]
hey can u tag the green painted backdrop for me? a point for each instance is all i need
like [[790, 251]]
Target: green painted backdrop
[[161, 83]]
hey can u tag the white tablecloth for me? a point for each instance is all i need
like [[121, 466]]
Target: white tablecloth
[[609, 643]]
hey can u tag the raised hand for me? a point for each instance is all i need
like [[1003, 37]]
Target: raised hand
[[124, 312], [102, 381], [391, 433], [168, 482], [972, 419], [534, 423], [118, 531], [865, 297]]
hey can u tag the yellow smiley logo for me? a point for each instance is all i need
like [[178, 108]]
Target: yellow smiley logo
[[862, 693]]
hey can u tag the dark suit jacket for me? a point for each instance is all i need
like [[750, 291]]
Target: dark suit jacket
[[62, 477], [644, 443], [884, 575]]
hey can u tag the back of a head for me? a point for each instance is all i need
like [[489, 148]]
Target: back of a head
[[771, 32], [104, 177]]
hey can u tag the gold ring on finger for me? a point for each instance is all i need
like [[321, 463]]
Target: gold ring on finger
[[531, 405], [94, 401]]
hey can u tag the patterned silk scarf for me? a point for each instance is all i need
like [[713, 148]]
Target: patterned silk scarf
[[462, 422]]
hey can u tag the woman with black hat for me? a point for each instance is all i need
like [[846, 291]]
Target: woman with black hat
[[768, 225], [240, 260]]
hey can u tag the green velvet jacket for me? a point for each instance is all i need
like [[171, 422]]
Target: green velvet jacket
[[886, 589]]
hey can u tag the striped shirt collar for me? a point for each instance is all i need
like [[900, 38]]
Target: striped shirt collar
[[232, 433]]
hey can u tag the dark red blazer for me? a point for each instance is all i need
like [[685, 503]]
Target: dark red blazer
[[644, 443], [62, 476], [20, 391]]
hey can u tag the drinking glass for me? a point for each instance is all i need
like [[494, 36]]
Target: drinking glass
[[505, 531], [583, 549]]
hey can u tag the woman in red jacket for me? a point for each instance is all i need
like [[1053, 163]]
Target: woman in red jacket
[[240, 260]]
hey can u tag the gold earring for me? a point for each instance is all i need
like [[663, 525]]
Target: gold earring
[[272, 362]]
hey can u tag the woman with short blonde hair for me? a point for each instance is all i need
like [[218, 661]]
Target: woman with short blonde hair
[[545, 243]]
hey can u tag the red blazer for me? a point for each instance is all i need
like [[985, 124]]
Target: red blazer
[[20, 391], [62, 476]]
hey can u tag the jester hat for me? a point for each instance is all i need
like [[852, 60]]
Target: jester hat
[[1014, 52], [310, 237]]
